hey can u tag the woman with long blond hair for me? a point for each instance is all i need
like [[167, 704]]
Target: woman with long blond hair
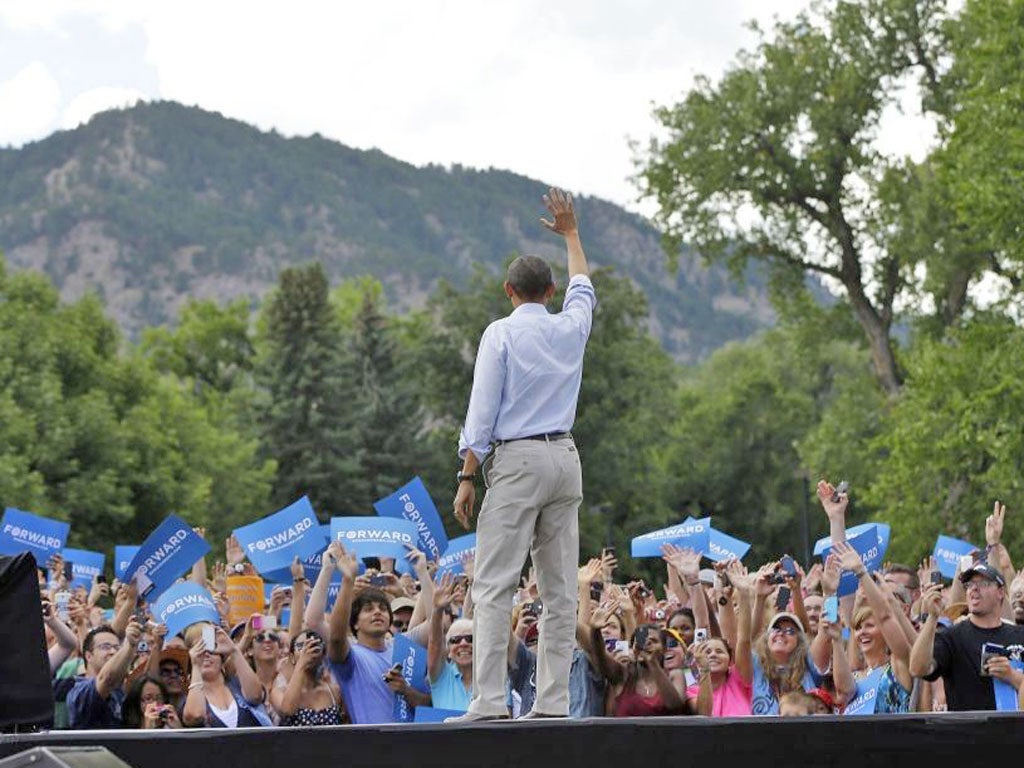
[[780, 659]]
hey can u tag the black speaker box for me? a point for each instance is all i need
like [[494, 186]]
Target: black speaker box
[[64, 757], [27, 699]]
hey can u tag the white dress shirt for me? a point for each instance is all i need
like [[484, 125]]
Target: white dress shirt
[[529, 365]]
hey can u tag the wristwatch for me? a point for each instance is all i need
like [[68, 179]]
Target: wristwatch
[[461, 478]]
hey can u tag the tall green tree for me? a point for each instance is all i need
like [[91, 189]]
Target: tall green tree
[[984, 160], [954, 442], [308, 412], [211, 344], [736, 449], [390, 421], [777, 161], [92, 434]]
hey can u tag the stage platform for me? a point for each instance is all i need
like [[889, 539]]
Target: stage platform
[[935, 741]]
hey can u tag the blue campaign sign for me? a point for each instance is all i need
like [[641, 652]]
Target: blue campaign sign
[[413, 658], [866, 696], [170, 550], [310, 564], [722, 546], [412, 502], [123, 555], [883, 529], [273, 542], [183, 605], [948, 552], [376, 537], [868, 547], [85, 566], [458, 550], [1006, 694], [25, 532], [691, 533], [434, 714]]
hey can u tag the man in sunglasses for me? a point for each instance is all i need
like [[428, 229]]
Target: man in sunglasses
[[401, 614], [449, 654]]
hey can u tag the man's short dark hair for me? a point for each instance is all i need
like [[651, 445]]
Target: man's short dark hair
[[530, 277], [368, 597], [915, 582], [90, 636]]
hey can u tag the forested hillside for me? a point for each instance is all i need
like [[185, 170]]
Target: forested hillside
[[160, 202]]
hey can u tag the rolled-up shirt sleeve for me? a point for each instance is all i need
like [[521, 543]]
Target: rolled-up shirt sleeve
[[485, 398], [580, 301]]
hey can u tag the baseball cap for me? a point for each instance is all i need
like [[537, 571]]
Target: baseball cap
[[402, 602], [983, 569], [786, 615]]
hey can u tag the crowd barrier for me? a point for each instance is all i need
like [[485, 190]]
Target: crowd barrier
[[935, 741]]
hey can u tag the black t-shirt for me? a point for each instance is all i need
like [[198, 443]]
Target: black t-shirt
[[958, 661]]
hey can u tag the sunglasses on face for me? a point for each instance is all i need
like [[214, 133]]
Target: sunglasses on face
[[170, 672], [787, 631], [262, 637], [460, 639], [399, 624]]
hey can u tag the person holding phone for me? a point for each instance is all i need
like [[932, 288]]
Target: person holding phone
[[526, 384], [880, 636], [780, 659], [216, 698], [148, 705], [955, 655], [96, 698], [262, 645], [643, 687], [310, 697], [359, 649]]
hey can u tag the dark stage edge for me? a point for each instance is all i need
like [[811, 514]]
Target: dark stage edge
[[934, 741]]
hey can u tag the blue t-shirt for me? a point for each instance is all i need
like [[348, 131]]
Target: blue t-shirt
[[361, 677], [449, 692], [765, 702], [87, 709]]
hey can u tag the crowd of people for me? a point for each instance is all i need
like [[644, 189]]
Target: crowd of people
[[724, 641]]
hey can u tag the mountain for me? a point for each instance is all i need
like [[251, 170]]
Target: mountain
[[160, 202]]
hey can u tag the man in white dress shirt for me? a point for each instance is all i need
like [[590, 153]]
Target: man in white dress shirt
[[525, 386]]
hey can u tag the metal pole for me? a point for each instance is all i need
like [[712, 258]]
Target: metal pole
[[806, 485]]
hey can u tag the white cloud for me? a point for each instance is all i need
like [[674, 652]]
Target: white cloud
[[29, 104], [550, 91], [87, 104]]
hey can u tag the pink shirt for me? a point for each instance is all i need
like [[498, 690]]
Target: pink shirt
[[731, 699]]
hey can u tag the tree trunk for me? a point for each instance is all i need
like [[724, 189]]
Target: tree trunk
[[882, 357]]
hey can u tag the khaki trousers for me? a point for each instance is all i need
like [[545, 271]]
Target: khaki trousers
[[534, 490]]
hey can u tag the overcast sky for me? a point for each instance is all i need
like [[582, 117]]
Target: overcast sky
[[550, 90]]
